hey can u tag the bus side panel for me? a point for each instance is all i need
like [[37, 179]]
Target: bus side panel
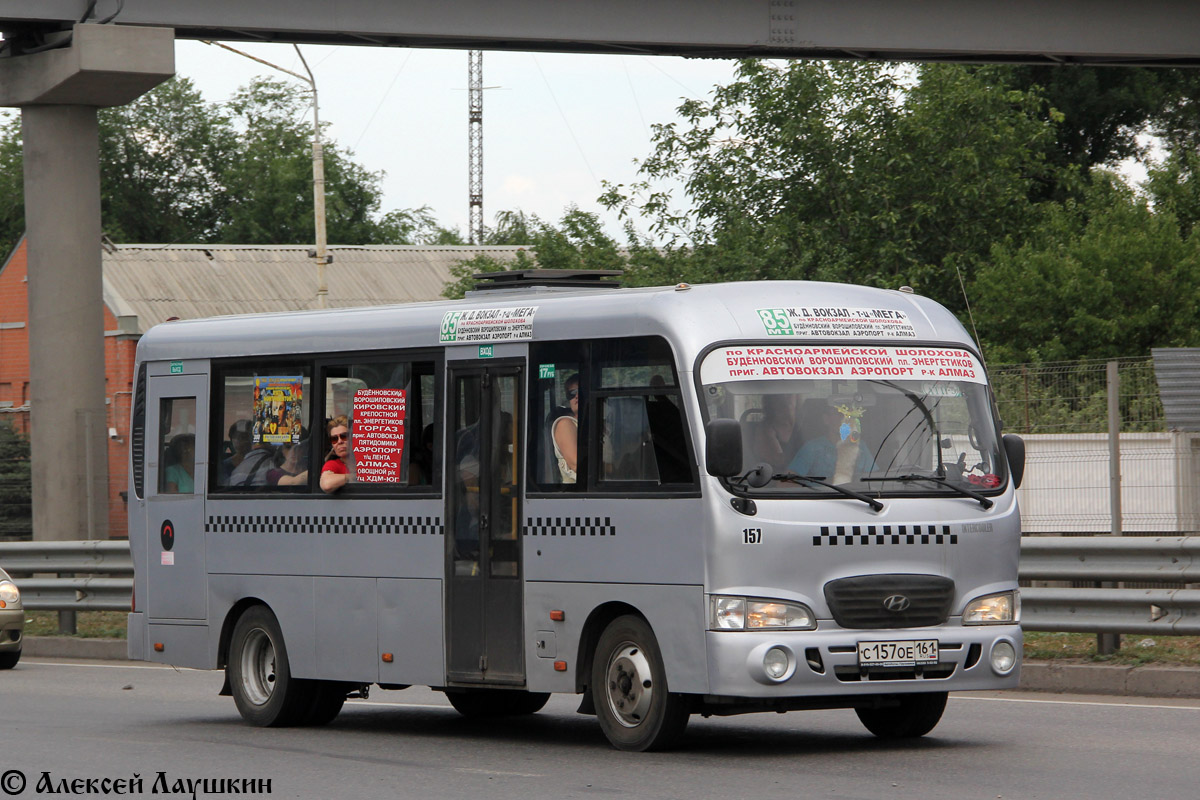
[[411, 629], [290, 598], [675, 613], [346, 629], [183, 645]]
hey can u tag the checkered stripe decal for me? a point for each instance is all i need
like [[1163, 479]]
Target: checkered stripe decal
[[220, 523], [884, 534], [570, 526]]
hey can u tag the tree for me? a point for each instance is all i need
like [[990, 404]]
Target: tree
[[844, 171], [579, 243], [174, 168], [16, 492], [163, 160], [1103, 277]]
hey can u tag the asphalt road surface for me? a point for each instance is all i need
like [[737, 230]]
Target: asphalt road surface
[[65, 723]]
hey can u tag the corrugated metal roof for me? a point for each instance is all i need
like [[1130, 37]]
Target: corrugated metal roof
[[156, 282], [1177, 370]]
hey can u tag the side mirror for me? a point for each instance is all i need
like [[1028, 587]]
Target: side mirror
[[723, 452], [1014, 448]]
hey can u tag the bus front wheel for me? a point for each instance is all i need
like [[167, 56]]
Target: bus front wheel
[[629, 685], [913, 715], [260, 677]]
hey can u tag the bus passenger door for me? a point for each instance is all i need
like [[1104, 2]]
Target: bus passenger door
[[483, 554], [176, 460]]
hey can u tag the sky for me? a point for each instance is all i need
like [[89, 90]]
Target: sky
[[554, 125]]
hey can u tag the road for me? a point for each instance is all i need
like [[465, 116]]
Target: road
[[96, 720]]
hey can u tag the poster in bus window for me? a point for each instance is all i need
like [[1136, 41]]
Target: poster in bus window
[[378, 435], [277, 409]]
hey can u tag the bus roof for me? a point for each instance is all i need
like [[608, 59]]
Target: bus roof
[[692, 317]]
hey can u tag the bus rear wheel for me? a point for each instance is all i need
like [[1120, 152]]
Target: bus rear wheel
[[914, 715], [635, 708], [260, 677], [496, 702]]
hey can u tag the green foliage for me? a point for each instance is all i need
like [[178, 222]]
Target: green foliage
[[844, 171], [174, 168], [16, 492], [579, 242], [1100, 278]]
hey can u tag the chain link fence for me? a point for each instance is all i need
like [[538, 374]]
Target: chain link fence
[[1061, 410]]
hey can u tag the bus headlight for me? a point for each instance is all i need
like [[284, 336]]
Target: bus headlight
[[744, 613], [994, 609]]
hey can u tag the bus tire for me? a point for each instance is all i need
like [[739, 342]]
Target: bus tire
[[478, 703], [328, 697], [916, 715], [260, 676], [634, 705]]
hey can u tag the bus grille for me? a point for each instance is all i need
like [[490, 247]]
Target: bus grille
[[863, 601]]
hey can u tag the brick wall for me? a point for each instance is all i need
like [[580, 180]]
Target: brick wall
[[14, 379]]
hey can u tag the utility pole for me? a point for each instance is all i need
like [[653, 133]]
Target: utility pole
[[475, 144], [318, 158]]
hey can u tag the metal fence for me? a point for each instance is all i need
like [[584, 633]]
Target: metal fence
[[1062, 410], [106, 582]]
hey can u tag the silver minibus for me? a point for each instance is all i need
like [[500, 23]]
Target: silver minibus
[[673, 502]]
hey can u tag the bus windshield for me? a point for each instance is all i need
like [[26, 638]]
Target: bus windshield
[[877, 419]]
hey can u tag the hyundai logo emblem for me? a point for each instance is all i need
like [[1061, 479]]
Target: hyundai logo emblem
[[896, 603]]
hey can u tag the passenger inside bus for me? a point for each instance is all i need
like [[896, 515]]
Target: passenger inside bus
[[837, 454], [336, 471], [777, 436], [181, 464], [293, 469], [564, 432], [240, 442]]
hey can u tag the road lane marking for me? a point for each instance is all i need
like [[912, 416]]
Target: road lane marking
[[1113, 704]]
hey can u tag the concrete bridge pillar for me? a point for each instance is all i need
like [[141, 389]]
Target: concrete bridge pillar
[[58, 92]]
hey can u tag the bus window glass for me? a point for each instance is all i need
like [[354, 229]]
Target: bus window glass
[[264, 415], [389, 404], [893, 420], [643, 438], [177, 446], [558, 416]]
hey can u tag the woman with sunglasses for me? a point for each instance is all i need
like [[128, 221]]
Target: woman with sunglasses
[[564, 432], [336, 472]]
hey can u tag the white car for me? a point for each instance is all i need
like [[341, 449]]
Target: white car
[[12, 622]]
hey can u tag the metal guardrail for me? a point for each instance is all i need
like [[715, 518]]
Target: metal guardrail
[[1160, 559], [90, 592], [1169, 559]]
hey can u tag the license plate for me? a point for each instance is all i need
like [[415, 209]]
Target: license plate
[[897, 654]]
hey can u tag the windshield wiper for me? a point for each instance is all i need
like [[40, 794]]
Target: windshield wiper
[[954, 487], [761, 475]]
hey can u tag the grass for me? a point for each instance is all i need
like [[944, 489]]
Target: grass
[[1135, 650], [88, 624], [1074, 647]]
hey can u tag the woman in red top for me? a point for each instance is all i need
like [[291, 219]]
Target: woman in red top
[[336, 472]]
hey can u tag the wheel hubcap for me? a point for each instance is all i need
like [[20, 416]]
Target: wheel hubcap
[[258, 667], [630, 688]]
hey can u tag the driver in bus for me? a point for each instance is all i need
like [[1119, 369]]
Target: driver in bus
[[837, 454]]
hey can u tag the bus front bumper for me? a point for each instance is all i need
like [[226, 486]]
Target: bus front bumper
[[769, 664]]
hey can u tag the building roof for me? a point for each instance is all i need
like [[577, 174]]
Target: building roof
[[145, 284]]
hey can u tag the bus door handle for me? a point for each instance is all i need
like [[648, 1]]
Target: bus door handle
[[483, 522]]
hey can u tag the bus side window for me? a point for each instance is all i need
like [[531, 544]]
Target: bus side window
[[390, 404], [177, 446], [644, 439], [262, 428], [558, 402]]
